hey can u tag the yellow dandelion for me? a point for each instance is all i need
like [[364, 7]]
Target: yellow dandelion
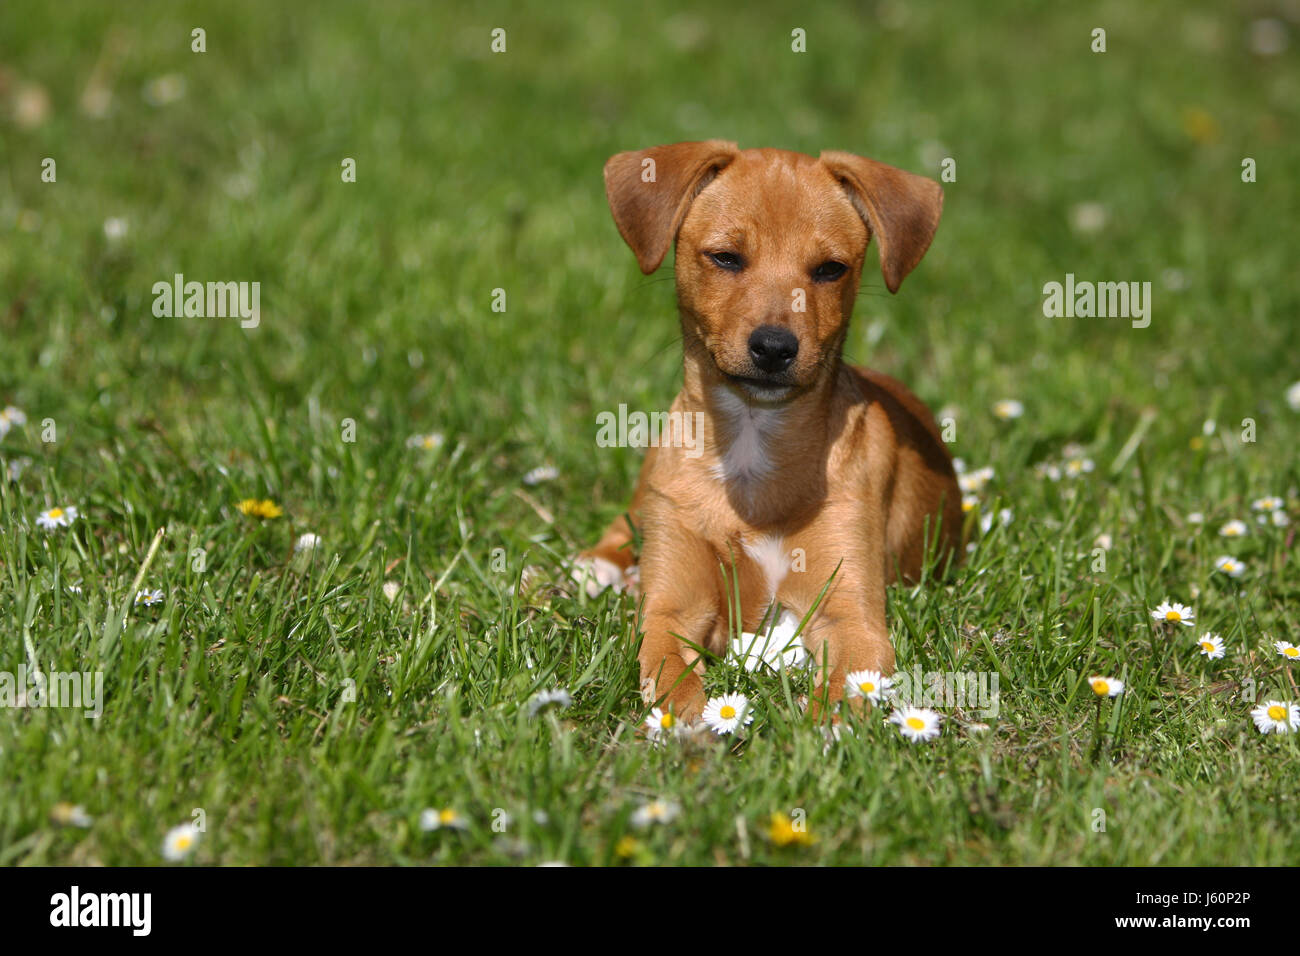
[[783, 831], [266, 508]]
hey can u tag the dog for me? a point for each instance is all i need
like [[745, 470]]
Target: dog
[[811, 475]]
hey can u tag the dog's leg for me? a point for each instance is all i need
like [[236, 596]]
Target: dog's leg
[[683, 604], [848, 632]]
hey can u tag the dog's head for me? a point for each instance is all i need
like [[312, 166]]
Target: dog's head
[[770, 248]]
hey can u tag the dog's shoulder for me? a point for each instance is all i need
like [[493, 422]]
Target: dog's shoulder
[[912, 420]]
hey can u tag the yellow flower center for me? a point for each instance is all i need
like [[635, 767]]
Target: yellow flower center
[[428, 441], [447, 816], [1277, 712], [1100, 688], [1206, 645], [183, 842], [916, 723], [1291, 652], [1173, 616], [56, 513], [666, 721], [867, 687], [727, 712]]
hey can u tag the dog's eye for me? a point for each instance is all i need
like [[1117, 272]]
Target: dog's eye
[[829, 271], [726, 260]]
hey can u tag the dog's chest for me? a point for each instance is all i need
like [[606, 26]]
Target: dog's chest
[[770, 557], [748, 437]]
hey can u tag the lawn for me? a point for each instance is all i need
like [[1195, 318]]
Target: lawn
[[307, 705]]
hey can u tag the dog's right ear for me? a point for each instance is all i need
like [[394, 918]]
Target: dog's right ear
[[650, 190]]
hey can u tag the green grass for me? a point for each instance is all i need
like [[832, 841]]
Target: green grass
[[479, 171]]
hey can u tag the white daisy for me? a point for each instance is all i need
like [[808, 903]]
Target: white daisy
[[164, 89], [1267, 503], [1230, 566], [426, 442], [543, 473], [872, 685], [9, 417], [1212, 646], [147, 598], [917, 724], [1008, 408], [1276, 716], [115, 229], [1234, 529], [180, 841], [1293, 396], [1075, 467], [444, 819], [970, 503], [1196, 517], [558, 697], [1279, 519], [661, 723], [1048, 470], [1174, 614], [1287, 650], [57, 518], [1088, 217], [656, 811], [973, 482], [1106, 686], [723, 715], [70, 815], [307, 542]]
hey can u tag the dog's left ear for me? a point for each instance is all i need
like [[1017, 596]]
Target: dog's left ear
[[650, 191], [900, 209]]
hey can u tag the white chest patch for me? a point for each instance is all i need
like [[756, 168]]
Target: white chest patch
[[749, 431], [768, 552]]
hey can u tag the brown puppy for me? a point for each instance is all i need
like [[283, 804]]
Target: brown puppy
[[806, 469]]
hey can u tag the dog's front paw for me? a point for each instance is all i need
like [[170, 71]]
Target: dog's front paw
[[683, 695], [594, 574]]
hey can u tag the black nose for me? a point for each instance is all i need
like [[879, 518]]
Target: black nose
[[773, 348]]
